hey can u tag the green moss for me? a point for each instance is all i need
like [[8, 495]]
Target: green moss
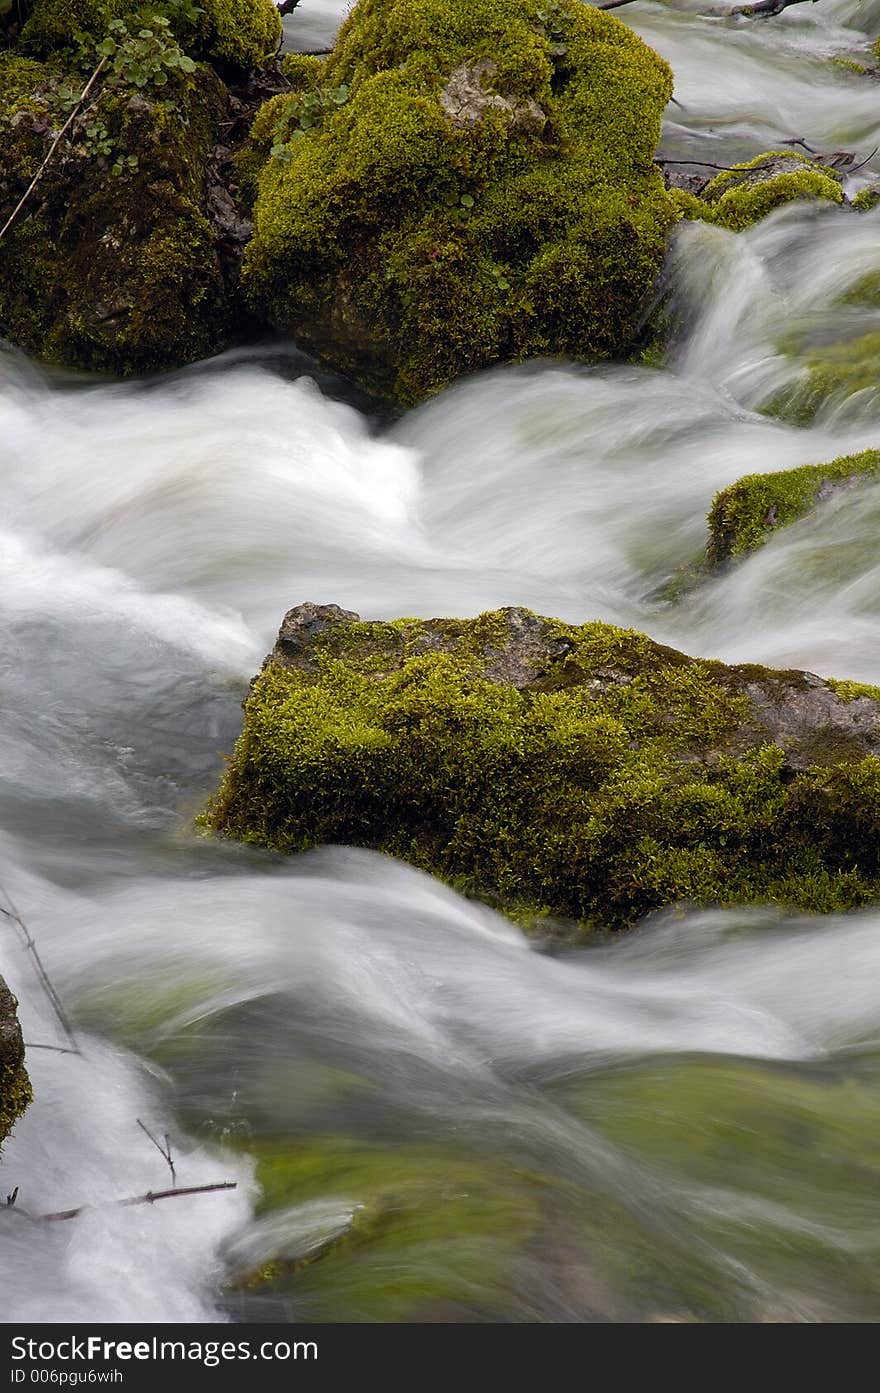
[[430, 1227], [747, 513], [796, 1146], [866, 199], [741, 196], [302, 70], [692, 207], [621, 777], [854, 691], [15, 1088], [241, 33], [15, 1095], [850, 65], [109, 271], [409, 246], [832, 375], [57, 24]]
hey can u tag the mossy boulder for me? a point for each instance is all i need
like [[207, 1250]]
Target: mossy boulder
[[15, 1088], [739, 197], [835, 376], [237, 33], [243, 33], [867, 199], [114, 264], [462, 184], [421, 1233], [582, 770], [745, 515]]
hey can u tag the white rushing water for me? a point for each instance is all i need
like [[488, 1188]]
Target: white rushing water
[[680, 1124]]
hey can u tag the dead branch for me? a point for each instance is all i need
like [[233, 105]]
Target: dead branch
[[798, 140], [706, 164], [760, 7], [862, 163], [163, 1150], [15, 918], [149, 1198], [840, 160], [53, 147], [58, 1049]]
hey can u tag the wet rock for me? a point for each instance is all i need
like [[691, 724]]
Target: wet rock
[[236, 34], [555, 769], [15, 1089], [738, 197], [115, 264], [467, 97], [747, 513], [462, 185], [126, 257], [295, 645]]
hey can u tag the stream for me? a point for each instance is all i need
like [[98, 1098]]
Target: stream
[[427, 1115]]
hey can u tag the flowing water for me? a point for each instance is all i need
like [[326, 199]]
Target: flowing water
[[428, 1116]]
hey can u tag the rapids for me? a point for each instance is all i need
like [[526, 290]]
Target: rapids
[[679, 1124]]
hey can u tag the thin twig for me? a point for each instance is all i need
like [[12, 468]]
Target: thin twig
[[864, 162], [58, 1049], [53, 147], [704, 164], [760, 7], [13, 915], [164, 1151], [149, 1198]]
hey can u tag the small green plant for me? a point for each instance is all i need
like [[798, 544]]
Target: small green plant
[[146, 58], [551, 17], [460, 205], [304, 114], [497, 277], [149, 57], [94, 138]]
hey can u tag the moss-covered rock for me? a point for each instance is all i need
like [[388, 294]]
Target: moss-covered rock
[[54, 25], [800, 1145], [747, 513], [739, 197], [691, 205], [460, 185], [15, 1088], [834, 375], [743, 195], [113, 265], [421, 1231], [866, 199], [243, 33], [583, 770], [237, 33]]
